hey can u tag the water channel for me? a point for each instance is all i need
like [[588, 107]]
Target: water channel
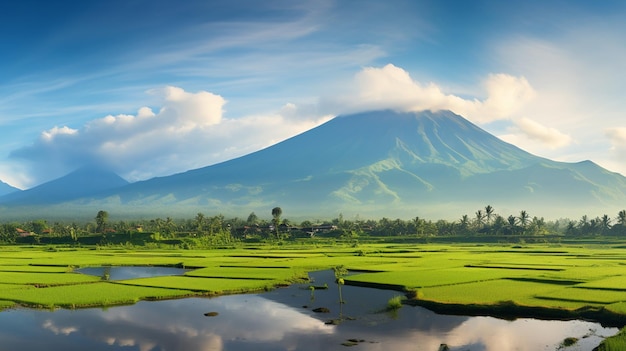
[[284, 319]]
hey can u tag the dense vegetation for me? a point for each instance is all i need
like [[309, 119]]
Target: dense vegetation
[[204, 231]]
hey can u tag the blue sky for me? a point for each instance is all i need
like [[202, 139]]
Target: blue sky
[[151, 88]]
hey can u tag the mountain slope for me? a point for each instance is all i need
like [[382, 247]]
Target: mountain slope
[[84, 182], [374, 164], [6, 188], [385, 163]]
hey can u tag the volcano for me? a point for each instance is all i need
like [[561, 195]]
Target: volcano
[[380, 163]]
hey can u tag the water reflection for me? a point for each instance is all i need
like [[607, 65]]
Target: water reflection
[[279, 320], [130, 272]]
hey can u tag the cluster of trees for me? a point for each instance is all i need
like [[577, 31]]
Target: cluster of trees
[[487, 222], [484, 222]]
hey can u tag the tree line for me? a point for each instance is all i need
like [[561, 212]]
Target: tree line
[[484, 222]]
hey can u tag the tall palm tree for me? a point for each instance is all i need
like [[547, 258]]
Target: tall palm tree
[[464, 223], [621, 217], [605, 223], [523, 218], [480, 219], [488, 213], [512, 223]]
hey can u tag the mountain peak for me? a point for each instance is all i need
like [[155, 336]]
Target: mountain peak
[[82, 182], [380, 163], [6, 188]]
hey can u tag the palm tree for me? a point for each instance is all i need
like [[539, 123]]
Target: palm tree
[[419, 228], [512, 224], [523, 218], [605, 224], [488, 213], [584, 225], [480, 219], [464, 224], [621, 217]]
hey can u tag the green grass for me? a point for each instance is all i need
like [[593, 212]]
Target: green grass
[[489, 292], [86, 295], [563, 277], [430, 278], [35, 269], [585, 296], [207, 285], [6, 304], [44, 279], [266, 273], [614, 343]]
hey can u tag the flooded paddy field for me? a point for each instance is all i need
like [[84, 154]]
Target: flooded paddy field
[[405, 297], [285, 319]]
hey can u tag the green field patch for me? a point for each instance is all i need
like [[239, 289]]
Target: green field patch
[[283, 274], [87, 295], [207, 285], [582, 295], [618, 308], [489, 292], [428, 278], [529, 268], [7, 286], [614, 343], [45, 279], [617, 283], [6, 304], [36, 269], [586, 273], [546, 281]]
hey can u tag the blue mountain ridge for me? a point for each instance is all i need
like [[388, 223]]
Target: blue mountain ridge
[[6, 188], [83, 182]]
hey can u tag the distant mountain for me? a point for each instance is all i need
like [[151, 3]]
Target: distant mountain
[[387, 164], [6, 188], [84, 182], [381, 163]]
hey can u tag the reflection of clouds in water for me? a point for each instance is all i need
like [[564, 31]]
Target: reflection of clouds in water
[[491, 334], [180, 324], [524, 334], [253, 322], [64, 331]]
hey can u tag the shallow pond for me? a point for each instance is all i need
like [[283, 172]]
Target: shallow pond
[[284, 319], [130, 272]]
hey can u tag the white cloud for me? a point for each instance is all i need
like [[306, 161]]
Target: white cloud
[[617, 151], [538, 132], [506, 96], [188, 131], [392, 87], [579, 79], [617, 136], [50, 134]]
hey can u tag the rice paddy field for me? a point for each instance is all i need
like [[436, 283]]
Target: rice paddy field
[[563, 281]]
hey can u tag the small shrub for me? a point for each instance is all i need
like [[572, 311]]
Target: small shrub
[[569, 341], [394, 303]]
